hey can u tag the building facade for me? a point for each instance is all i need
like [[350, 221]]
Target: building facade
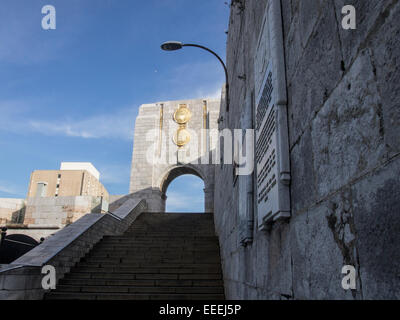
[[55, 199], [73, 179]]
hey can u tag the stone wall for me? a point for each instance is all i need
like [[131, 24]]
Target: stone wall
[[11, 210], [59, 211], [41, 217], [343, 91]]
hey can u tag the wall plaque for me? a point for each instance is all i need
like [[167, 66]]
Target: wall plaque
[[272, 145]]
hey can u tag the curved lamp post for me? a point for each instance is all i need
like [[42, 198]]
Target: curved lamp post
[[176, 45]]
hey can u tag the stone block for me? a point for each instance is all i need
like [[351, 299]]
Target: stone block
[[346, 134], [377, 226]]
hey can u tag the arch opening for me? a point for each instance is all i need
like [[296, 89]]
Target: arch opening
[[174, 172], [185, 194]]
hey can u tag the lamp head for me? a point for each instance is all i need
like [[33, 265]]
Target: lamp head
[[172, 45]]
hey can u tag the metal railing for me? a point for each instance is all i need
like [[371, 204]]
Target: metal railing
[[4, 235]]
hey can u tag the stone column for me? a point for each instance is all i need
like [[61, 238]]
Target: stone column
[[209, 199]]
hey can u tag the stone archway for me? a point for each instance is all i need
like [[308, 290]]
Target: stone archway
[[179, 170], [168, 144]]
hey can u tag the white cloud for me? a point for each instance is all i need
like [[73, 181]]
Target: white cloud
[[6, 189], [9, 189], [212, 94], [177, 202], [118, 125]]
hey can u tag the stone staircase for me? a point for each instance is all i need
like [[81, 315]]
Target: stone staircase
[[160, 257]]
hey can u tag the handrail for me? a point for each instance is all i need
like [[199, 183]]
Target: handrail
[[24, 243]]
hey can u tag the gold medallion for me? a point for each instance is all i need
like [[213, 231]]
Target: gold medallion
[[182, 116], [181, 137]]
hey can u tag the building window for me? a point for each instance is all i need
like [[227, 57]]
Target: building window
[[41, 189]]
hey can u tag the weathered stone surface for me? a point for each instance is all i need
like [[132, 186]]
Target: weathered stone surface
[[377, 228], [343, 114], [385, 48], [11, 210], [347, 134]]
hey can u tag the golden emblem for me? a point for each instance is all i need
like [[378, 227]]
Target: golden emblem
[[181, 137], [182, 116]]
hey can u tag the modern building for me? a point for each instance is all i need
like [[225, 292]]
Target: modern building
[[55, 199], [73, 179]]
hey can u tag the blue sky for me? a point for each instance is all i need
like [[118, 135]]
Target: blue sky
[[72, 94]]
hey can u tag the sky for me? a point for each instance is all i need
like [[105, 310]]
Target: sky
[[72, 94]]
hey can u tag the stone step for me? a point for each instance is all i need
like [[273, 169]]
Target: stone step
[[155, 249], [159, 261], [160, 244], [164, 244], [161, 256], [156, 254], [135, 289], [141, 282], [174, 226], [169, 235], [200, 262], [145, 276], [159, 223], [129, 264], [173, 232], [174, 216], [170, 243], [160, 220], [130, 296], [147, 239], [167, 245], [198, 229], [121, 269], [144, 264], [158, 248]]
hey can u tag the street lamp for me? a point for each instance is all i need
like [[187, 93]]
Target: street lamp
[[176, 45]]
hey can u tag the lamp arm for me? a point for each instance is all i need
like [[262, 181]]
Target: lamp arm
[[216, 55], [223, 65]]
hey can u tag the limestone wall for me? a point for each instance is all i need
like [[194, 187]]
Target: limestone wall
[[344, 118], [11, 210], [59, 211]]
